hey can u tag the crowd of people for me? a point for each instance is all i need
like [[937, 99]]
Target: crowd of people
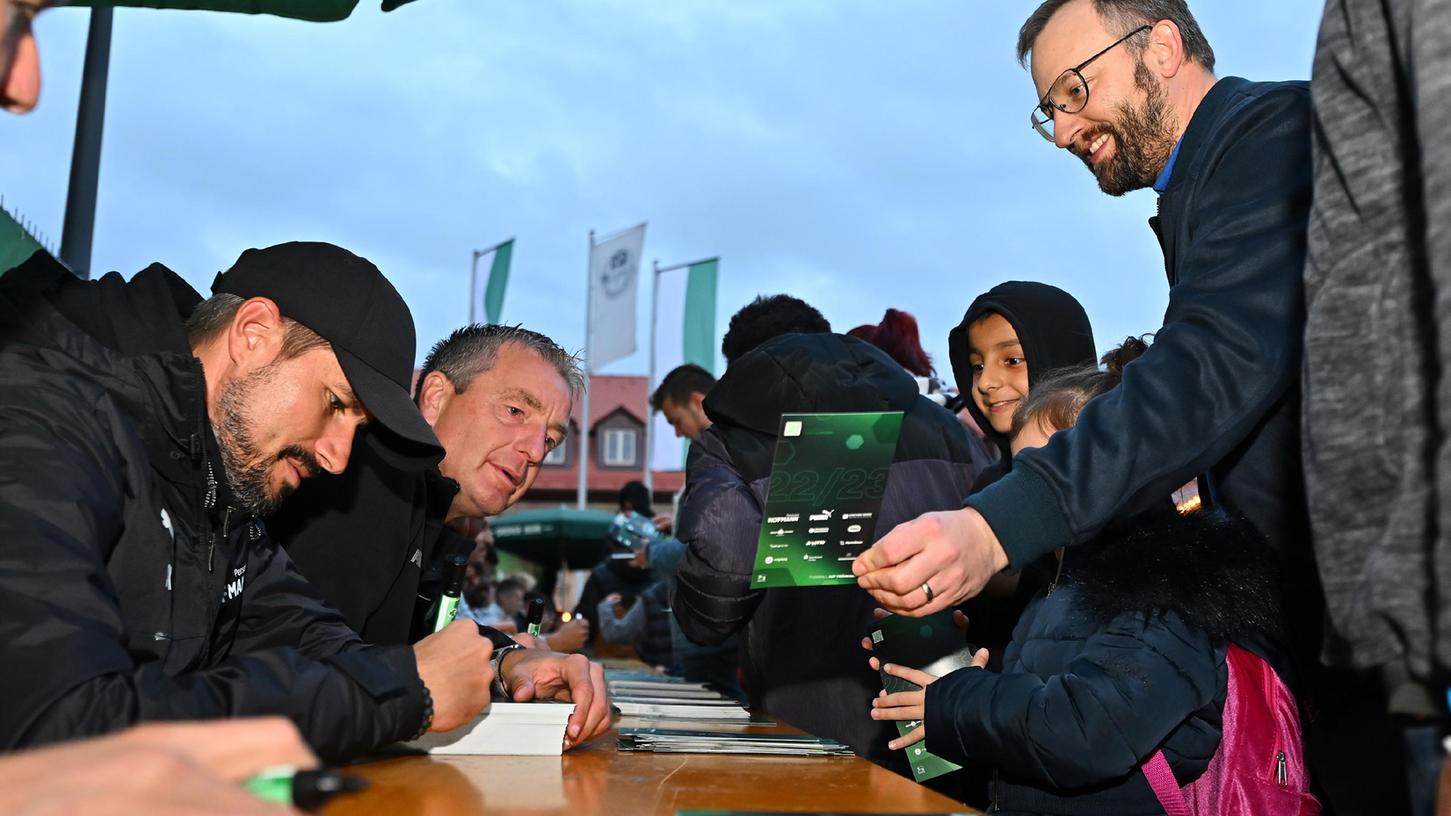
[[226, 520]]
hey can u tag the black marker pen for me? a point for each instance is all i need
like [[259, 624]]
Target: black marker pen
[[536, 615], [453, 584], [308, 790]]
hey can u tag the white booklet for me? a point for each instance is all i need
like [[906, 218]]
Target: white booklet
[[505, 729]]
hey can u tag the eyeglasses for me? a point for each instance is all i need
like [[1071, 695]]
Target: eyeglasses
[[1069, 92], [18, 15]]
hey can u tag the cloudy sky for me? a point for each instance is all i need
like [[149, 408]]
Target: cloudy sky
[[856, 154]]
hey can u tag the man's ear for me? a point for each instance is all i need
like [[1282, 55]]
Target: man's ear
[[1165, 52], [433, 395], [255, 335], [697, 402]]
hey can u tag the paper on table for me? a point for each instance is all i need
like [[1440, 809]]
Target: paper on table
[[505, 729]]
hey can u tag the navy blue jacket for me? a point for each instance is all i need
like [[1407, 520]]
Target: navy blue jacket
[[1218, 391], [1123, 658]]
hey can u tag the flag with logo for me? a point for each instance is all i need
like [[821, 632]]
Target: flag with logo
[[614, 279], [684, 333], [488, 294]]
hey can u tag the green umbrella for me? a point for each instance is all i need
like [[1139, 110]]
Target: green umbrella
[[320, 11], [551, 538]]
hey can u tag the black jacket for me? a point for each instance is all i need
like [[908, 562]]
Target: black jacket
[[129, 589], [1124, 657], [1054, 332], [804, 662], [371, 539], [1218, 389]]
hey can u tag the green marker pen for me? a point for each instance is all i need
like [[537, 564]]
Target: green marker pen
[[308, 790], [453, 584], [536, 615]]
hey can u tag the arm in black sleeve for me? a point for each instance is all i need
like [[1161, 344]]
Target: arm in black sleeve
[[1228, 351], [719, 522], [69, 671], [1112, 707]]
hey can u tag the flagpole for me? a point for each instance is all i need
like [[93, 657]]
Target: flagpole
[[650, 383], [663, 269], [583, 446]]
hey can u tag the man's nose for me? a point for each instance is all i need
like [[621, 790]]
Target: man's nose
[[336, 445]]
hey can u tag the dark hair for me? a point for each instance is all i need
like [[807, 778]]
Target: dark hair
[[1122, 16], [680, 383], [897, 336], [767, 317], [1058, 398], [636, 496], [509, 585], [470, 351], [212, 316]]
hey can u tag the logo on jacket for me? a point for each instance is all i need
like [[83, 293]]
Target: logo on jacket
[[166, 522]]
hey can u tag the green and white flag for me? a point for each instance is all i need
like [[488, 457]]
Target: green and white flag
[[684, 333], [488, 296]]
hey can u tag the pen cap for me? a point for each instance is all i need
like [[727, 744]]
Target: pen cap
[[312, 789], [454, 568], [536, 610]]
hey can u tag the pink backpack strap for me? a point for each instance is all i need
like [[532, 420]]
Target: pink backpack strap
[[1166, 787]]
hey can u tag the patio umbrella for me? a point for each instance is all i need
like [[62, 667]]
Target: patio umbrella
[[566, 538]]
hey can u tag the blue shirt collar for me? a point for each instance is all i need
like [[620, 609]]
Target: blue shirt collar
[[1162, 182]]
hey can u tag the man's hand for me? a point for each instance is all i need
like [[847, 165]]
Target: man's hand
[[570, 637], [167, 769], [454, 664], [910, 705], [530, 674], [954, 552], [230, 749]]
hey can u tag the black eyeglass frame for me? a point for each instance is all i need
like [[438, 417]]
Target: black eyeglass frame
[[1047, 108]]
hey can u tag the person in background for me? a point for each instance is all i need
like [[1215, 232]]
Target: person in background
[[645, 622], [897, 335], [681, 399], [766, 317]]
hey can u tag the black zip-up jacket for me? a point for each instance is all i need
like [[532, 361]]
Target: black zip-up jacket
[[804, 662], [1218, 391], [1125, 657], [130, 589]]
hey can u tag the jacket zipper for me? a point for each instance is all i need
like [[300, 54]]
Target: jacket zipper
[[212, 548], [1282, 772]]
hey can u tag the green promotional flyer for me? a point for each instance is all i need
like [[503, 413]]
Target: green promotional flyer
[[827, 478]]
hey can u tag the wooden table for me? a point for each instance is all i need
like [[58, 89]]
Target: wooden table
[[598, 779]]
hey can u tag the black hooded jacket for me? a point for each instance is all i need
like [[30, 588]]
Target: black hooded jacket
[[130, 587], [1124, 657], [804, 661], [1054, 332]]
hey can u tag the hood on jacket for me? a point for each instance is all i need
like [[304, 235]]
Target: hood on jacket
[[1049, 322], [816, 373]]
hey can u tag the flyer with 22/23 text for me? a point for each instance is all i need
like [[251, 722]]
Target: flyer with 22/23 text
[[828, 475]]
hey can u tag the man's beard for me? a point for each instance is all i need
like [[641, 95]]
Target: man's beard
[[1143, 138], [245, 467]]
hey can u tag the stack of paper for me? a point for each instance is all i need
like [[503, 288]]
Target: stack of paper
[[670, 741], [637, 694], [505, 729]]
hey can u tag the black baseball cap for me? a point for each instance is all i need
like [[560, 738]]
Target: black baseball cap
[[347, 302]]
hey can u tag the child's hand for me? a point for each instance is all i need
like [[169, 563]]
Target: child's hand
[[910, 705]]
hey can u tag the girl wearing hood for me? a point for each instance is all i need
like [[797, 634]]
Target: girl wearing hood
[[1009, 339]]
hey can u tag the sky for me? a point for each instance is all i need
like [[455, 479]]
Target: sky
[[857, 154]]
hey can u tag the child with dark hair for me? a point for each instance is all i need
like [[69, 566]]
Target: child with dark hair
[[1115, 687], [1012, 336]]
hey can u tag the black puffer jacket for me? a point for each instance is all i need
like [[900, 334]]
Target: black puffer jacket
[[1125, 657], [804, 661], [129, 589]]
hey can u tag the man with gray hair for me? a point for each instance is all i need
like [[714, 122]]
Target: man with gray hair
[[499, 399]]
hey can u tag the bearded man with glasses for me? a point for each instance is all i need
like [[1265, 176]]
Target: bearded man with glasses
[[1128, 87]]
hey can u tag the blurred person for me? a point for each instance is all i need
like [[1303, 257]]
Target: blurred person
[[766, 317], [146, 432], [645, 622], [680, 397], [898, 336], [801, 661], [509, 595], [162, 768], [476, 602]]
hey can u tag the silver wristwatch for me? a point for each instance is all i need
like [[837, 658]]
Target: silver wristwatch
[[501, 689]]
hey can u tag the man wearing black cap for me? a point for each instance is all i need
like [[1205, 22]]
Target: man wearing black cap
[[143, 433]]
